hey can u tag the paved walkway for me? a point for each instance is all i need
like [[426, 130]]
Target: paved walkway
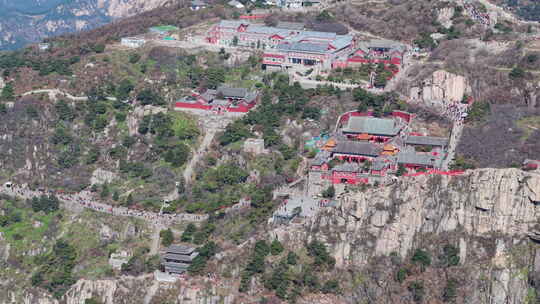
[[197, 155], [457, 130], [408, 62], [210, 124], [54, 93], [85, 199]]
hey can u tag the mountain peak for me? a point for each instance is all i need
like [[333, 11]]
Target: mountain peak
[[18, 25]]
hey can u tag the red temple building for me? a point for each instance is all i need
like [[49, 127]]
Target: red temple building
[[222, 100], [386, 52]]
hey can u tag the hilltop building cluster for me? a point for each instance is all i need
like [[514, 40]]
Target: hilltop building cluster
[[223, 100], [375, 51], [289, 45], [366, 149]]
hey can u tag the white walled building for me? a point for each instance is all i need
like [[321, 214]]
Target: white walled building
[[132, 42]]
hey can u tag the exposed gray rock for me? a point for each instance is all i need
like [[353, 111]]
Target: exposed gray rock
[[441, 87], [445, 15], [491, 211], [4, 249], [101, 176], [107, 234], [130, 231]]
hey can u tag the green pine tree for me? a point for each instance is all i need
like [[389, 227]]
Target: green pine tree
[[167, 237]]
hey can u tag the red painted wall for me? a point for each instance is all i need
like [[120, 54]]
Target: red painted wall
[[192, 106]]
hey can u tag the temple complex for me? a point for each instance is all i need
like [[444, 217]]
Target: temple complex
[[365, 149], [220, 101]]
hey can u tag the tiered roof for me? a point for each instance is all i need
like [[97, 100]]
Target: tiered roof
[[177, 258]]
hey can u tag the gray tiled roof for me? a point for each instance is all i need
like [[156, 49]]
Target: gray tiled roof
[[382, 43], [180, 249], [180, 257], [233, 92], [341, 42], [417, 159], [357, 148], [209, 95], [231, 23], [290, 25], [348, 167], [220, 102], [317, 34], [303, 47], [268, 30], [426, 140], [175, 267], [371, 125]]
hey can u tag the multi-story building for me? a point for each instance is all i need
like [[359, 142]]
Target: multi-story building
[[177, 258], [284, 47]]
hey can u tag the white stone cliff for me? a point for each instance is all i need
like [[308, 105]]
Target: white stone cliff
[[441, 86]]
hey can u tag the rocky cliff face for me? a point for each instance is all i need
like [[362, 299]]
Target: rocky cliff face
[[125, 290], [487, 214], [444, 16], [25, 22], [441, 86]]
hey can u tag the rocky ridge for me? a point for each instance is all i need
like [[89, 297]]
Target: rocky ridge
[[19, 27], [487, 213]]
